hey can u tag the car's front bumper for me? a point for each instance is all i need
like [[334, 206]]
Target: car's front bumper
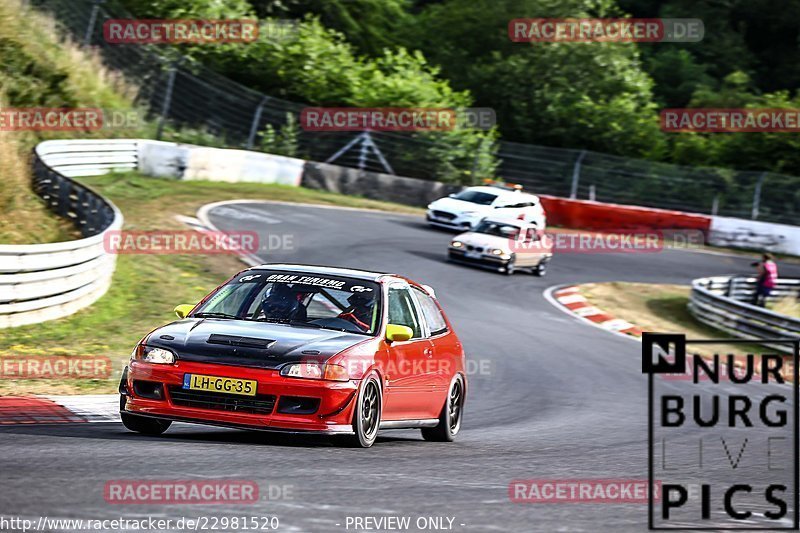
[[333, 414], [456, 222], [489, 261]]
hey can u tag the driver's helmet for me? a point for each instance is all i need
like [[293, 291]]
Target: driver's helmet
[[282, 302], [361, 307]]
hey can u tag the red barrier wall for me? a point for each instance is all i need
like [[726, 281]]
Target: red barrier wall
[[584, 214]]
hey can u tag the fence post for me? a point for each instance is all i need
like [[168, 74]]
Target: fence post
[[256, 121], [576, 175], [592, 192], [173, 70], [476, 158], [87, 38], [757, 196], [715, 205]]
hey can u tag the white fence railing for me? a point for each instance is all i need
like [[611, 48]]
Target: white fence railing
[[723, 302], [40, 282]]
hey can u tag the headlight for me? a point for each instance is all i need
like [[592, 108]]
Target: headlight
[[315, 371], [457, 244], [502, 254], [157, 356]]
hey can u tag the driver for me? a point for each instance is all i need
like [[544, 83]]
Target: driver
[[359, 311], [282, 303]]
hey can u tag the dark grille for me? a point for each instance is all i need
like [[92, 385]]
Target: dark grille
[[443, 214], [471, 248], [260, 405]]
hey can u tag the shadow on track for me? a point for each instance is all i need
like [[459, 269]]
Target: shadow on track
[[188, 433]]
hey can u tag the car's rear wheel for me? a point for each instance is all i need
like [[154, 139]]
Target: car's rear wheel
[[451, 415], [367, 413], [142, 424]]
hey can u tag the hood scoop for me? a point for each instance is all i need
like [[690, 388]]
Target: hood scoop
[[236, 340]]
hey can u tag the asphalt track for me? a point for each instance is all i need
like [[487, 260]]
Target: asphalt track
[[553, 399]]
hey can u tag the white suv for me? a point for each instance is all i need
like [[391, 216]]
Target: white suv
[[463, 210]]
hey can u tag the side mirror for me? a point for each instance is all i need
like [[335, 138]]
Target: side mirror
[[395, 332], [183, 310], [451, 195]]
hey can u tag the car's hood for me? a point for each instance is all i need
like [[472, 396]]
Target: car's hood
[[483, 240], [452, 205], [246, 343]]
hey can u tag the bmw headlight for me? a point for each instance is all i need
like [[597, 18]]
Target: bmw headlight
[[502, 254], [457, 244], [157, 356]]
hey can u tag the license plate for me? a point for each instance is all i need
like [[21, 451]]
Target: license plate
[[244, 387], [474, 255]]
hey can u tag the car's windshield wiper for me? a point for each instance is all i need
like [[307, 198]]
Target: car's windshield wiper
[[288, 322], [215, 315]]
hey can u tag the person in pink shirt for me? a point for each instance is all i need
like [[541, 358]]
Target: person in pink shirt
[[767, 277]]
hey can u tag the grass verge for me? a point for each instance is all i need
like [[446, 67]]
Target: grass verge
[[786, 306], [146, 287], [40, 69], [661, 308]]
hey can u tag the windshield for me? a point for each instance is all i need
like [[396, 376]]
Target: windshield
[[476, 197], [498, 229], [299, 299]]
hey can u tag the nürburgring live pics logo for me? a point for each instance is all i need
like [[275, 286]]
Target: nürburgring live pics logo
[[723, 444]]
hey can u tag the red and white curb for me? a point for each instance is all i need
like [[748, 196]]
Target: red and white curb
[[571, 300], [15, 410]]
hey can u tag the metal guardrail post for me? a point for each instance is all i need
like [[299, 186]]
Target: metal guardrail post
[[165, 105], [757, 196], [576, 175], [87, 38], [251, 139]]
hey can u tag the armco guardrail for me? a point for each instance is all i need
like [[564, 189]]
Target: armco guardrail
[[40, 282], [722, 302]]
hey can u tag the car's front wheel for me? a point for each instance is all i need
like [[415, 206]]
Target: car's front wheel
[[450, 417], [367, 413], [142, 424], [541, 268], [511, 266]]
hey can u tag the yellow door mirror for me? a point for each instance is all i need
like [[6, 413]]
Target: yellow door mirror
[[183, 310], [395, 332]]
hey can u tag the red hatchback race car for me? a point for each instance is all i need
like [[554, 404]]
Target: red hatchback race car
[[302, 349]]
